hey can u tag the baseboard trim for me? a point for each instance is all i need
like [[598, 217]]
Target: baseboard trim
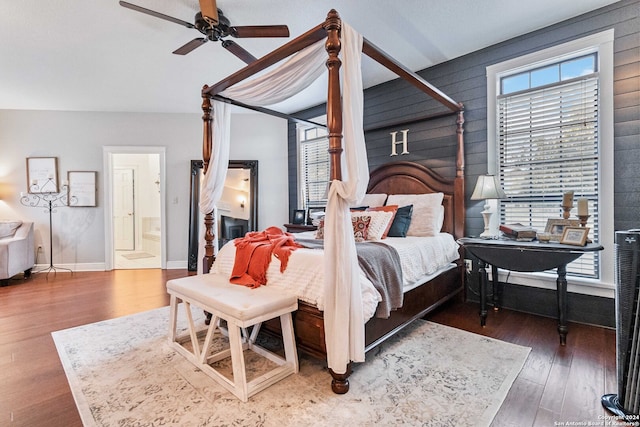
[[99, 266]]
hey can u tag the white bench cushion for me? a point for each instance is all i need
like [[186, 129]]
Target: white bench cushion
[[236, 301]]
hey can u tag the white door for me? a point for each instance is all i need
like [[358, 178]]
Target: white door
[[123, 210]]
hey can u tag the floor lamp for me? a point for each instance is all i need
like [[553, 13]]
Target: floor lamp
[[487, 187]]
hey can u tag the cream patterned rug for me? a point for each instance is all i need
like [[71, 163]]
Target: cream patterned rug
[[122, 372]]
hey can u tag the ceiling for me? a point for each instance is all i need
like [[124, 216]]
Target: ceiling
[[98, 56]]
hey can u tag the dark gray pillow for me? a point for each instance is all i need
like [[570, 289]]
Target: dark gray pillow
[[401, 222]]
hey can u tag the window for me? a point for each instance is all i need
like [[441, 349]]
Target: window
[[548, 144], [550, 130], [313, 166]]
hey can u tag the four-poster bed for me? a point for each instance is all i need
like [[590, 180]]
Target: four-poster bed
[[312, 333]]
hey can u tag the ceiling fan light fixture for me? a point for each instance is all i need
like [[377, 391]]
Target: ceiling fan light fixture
[[212, 22], [214, 26]]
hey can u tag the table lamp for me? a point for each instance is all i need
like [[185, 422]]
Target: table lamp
[[487, 187]]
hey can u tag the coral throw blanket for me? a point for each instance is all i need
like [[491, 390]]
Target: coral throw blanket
[[253, 255]]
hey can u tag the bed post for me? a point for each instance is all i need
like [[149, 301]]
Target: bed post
[[334, 107], [333, 25], [459, 209], [207, 137]]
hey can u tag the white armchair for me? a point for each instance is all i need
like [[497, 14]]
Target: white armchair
[[17, 249]]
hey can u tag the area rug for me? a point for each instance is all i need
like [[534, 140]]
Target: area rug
[[122, 372], [137, 255]]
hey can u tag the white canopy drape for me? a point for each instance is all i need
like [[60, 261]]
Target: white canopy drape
[[344, 322]]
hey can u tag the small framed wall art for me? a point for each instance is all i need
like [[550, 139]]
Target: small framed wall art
[[42, 174], [82, 188]]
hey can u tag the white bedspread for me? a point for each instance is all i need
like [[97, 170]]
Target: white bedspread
[[304, 276]]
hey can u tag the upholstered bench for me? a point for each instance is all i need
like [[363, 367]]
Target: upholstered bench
[[241, 307]]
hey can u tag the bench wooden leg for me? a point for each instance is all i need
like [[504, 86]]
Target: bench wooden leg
[[237, 360], [290, 351], [173, 318]]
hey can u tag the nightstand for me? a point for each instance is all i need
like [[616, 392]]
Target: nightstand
[[299, 228]]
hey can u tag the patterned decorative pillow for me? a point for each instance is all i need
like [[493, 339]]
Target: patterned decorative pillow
[[360, 225], [320, 230]]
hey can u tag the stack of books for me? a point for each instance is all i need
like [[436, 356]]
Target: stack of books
[[518, 232]]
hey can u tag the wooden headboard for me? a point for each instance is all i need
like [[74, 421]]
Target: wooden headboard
[[414, 178]]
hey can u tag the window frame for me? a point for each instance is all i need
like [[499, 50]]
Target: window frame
[[601, 44], [300, 139]]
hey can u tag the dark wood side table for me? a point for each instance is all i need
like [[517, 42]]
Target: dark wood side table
[[527, 257], [299, 228]]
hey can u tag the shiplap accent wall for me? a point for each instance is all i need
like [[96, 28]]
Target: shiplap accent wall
[[432, 143], [464, 79]]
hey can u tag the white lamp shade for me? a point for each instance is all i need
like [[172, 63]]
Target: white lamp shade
[[488, 187]]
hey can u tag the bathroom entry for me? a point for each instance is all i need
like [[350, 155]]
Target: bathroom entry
[[137, 231]]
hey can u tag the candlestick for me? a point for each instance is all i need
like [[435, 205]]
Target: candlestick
[[566, 211], [50, 201], [567, 199], [583, 206], [583, 219]]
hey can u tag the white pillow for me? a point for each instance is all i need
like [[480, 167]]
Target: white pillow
[[9, 227], [425, 220], [372, 200], [378, 225]]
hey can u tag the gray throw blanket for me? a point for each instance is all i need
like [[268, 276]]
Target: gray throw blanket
[[381, 265]]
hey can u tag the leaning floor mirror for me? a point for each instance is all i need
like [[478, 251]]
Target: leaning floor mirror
[[236, 212]]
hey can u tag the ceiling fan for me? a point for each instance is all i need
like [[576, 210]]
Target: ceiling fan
[[212, 23]]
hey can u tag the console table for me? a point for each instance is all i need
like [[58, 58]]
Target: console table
[[527, 257]]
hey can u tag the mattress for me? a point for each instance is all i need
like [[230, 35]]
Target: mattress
[[421, 258]]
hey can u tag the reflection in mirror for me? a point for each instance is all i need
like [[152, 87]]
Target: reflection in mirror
[[236, 212]]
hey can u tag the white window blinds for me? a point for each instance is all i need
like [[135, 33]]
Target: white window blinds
[[548, 144], [314, 170]]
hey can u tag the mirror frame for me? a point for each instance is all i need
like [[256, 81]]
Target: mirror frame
[[194, 197]]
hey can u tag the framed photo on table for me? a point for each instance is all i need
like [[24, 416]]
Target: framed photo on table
[[42, 174], [298, 216], [576, 236], [82, 188], [556, 226]]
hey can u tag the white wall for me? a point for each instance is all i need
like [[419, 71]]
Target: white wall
[[77, 138]]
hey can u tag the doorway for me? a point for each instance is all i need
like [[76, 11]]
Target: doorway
[[134, 199]]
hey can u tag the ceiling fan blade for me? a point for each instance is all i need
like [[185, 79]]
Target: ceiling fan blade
[[195, 43], [238, 51], [259, 31], [209, 11], [156, 14]]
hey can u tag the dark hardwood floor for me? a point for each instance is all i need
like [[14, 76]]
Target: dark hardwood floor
[[557, 384]]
